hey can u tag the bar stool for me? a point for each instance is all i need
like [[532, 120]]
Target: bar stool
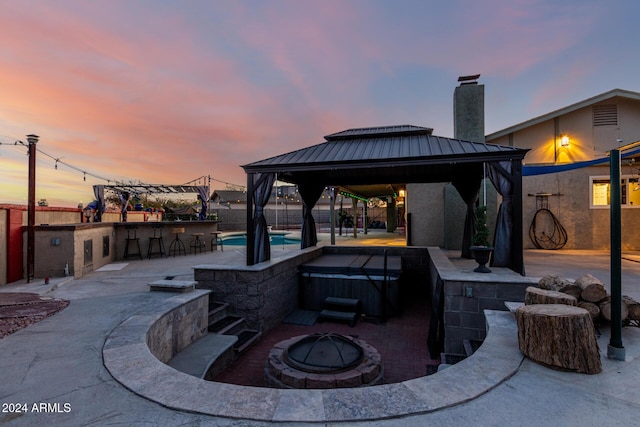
[[196, 244], [132, 240], [176, 245], [215, 241], [156, 238]]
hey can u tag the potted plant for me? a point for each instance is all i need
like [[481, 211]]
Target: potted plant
[[480, 245]]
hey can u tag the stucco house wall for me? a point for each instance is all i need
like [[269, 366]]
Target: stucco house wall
[[425, 204], [587, 226]]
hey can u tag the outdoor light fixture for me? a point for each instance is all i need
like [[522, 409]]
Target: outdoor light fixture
[[564, 140]]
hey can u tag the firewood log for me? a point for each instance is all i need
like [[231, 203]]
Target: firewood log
[[592, 308], [605, 309], [633, 307], [592, 288], [552, 282], [571, 289]]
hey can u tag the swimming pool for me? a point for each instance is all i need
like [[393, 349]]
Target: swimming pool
[[274, 240]]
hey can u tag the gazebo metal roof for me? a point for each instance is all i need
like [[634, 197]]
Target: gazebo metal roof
[[384, 155], [373, 146], [380, 160]]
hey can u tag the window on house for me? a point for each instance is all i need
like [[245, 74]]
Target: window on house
[[601, 191]]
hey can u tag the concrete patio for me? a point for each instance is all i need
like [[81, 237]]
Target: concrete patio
[[59, 360]]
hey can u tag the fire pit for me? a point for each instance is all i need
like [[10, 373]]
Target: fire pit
[[323, 361]]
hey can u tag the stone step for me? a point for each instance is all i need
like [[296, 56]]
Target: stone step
[[246, 338], [217, 311], [197, 358], [173, 285], [346, 316], [342, 304], [470, 346], [227, 325]]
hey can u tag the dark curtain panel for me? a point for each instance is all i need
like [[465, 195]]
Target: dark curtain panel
[[203, 195], [500, 175], [124, 199], [468, 190], [310, 193], [392, 218], [262, 186], [98, 191]]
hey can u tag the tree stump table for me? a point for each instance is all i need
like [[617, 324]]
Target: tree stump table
[[559, 335], [535, 295]]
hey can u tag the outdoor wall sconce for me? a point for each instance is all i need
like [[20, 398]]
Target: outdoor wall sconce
[[564, 140]]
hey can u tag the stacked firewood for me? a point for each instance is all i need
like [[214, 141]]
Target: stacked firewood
[[589, 293]]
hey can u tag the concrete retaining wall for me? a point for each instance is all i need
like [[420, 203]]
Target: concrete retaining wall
[[179, 327]]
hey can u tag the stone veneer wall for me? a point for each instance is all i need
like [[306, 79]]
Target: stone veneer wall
[[263, 294], [179, 327], [467, 294]]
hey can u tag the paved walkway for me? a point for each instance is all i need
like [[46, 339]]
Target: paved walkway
[[56, 364]]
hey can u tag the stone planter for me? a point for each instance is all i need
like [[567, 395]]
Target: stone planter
[[482, 254]]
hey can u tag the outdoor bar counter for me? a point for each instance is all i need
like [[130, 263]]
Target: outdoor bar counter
[[76, 249], [145, 230]]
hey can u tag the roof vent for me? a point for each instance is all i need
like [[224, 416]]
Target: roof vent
[[605, 115]]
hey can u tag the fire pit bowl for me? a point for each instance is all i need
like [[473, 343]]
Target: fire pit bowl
[[321, 361]]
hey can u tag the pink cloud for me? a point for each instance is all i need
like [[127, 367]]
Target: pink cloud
[[170, 93]]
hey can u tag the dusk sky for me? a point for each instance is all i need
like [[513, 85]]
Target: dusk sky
[[163, 92]]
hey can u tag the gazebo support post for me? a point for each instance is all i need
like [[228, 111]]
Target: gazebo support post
[[354, 204], [332, 214], [250, 226]]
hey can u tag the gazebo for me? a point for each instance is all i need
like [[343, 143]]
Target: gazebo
[[364, 158]]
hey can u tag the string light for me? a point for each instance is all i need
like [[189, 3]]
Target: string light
[[353, 196], [57, 160]]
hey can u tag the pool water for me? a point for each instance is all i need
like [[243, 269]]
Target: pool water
[[274, 240]]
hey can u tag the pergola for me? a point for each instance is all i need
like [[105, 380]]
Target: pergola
[[125, 191], [365, 158]]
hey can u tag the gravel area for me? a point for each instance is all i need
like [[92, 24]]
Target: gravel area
[[19, 310]]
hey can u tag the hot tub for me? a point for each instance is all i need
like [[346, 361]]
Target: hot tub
[[352, 276]]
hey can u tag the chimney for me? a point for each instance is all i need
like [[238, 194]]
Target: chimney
[[468, 109]]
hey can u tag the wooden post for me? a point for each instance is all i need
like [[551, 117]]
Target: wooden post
[[31, 207]]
